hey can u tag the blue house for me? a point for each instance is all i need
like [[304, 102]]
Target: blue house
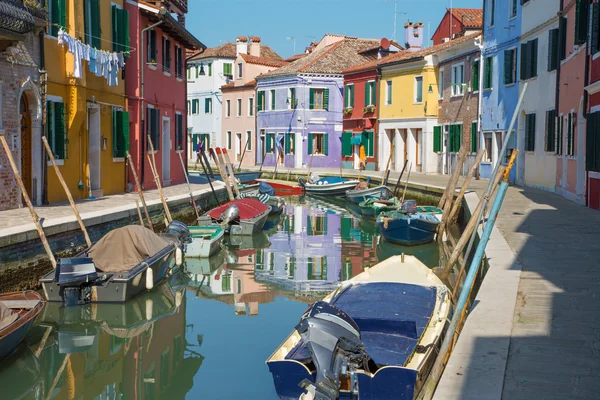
[[300, 105], [500, 83]]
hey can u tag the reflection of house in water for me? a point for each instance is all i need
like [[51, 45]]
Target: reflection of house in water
[[359, 241], [306, 255]]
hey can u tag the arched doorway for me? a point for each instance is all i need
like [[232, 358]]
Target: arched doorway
[[26, 172]]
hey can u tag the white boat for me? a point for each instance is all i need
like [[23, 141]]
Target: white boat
[[328, 186], [375, 337], [205, 241]]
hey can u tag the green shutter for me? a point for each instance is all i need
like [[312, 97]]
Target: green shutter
[[288, 144], [325, 144], [125, 32], [367, 93], [487, 82], [373, 93], [562, 28], [115, 134], [524, 61], [346, 144], [595, 29], [270, 144], [437, 139], [475, 76], [371, 140], [116, 42], [86, 22], [552, 49], [260, 101], [581, 21], [124, 134], [508, 67], [272, 99], [352, 96], [195, 141], [534, 56], [310, 143], [326, 99], [474, 137], [96, 31], [346, 96], [55, 17], [59, 124], [312, 99], [206, 106], [209, 69], [451, 139], [49, 119]]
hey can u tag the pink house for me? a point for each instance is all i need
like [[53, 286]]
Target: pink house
[[155, 78], [239, 100]]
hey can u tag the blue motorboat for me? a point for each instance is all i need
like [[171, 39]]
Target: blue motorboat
[[328, 185], [407, 226], [242, 177], [363, 192]]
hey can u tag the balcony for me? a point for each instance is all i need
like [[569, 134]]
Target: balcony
[[15, 20], [39, 12], [172, 5]]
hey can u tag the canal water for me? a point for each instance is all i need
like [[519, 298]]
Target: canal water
[[206, 332]]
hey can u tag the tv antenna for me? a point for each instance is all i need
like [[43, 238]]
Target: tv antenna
[[292, 38], [396, 12]]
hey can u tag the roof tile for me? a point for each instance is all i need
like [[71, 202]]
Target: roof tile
[[267, 62], [229, 50], [470, 17]]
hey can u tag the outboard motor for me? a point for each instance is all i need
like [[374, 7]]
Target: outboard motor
[[75, 278], [179, 229], [410, 207], [333, 340], [230, 214]]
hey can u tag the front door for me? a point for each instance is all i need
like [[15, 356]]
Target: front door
[[238, 146], [356, 149], [391, 147], [94, 151], [446, 152], [166, 150], [26, 147], [405, 142]]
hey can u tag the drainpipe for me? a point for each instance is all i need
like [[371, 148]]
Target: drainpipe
[[44, 87], [480, 99], [142, 113], [586, 99]]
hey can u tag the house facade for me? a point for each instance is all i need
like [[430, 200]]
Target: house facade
[[157, 94], [22, 107], [502, 30], [592, 142], [458, 105], [239, 100], [458, 22], [300, 105]]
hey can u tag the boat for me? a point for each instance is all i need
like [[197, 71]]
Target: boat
[[378, 193], [238, 217], [241, 177], [205, 241], [373, 207], [328, 186], [436, 211], [249, 189], [124, 263], [264, 193], [375, 337], [285, 189], [17, 313], [406, 226]]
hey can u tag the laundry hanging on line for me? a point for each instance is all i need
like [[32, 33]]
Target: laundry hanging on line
[[101, 63]]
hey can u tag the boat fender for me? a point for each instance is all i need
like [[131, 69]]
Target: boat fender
[[178, 257], [149, 308], [149, 278]]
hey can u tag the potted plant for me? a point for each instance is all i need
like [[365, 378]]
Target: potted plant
[[369, 109], [348, 110]]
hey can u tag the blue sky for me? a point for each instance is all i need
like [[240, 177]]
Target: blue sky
[[216, 21]]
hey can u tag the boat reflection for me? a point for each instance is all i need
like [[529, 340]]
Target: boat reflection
[[21, 376]]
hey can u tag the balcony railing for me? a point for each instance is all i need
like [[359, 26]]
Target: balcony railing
[[15, 17], [36, 9]]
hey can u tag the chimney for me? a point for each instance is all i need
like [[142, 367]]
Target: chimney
[[384, 48], [241, 45], [255, 46], [181, 19], [413, 36]]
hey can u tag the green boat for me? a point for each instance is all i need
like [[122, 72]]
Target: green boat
[[371, 208]]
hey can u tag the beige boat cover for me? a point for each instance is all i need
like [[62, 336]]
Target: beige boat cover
[[7, 316], [123, 248]]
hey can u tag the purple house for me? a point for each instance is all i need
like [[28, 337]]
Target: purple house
[[300, 105]]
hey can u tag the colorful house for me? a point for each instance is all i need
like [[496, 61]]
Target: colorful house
[[300, 105], [539, 59], [501, 32], [361, 111], [157, 94], [21, 102], [592, 142], [239, 99], [458, 22]]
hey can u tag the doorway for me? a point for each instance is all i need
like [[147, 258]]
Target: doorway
[[446, 152], [390, 147], [356, 151], [26, 173], [403, 135], [418, 148], [166, 150], [238, 146], [94, 150]]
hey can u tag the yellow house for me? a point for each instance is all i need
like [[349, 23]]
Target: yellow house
[[87, 123], [409, 109]]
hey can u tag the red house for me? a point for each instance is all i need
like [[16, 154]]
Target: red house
[[156, 88], [458, 22]]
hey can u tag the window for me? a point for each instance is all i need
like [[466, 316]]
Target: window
[[195, 106], [437, 139], [595, 29], [228, 69], [290, 143], [272, 99], [189, 107], [239, 107], [370, 94], [581, 21], [250, 106], [441, 84], [550, 131], [151, 51], [559, 136], [209, 69], [512, 10], [492, 12], [475, 76], [261, 101], [571, 124], [592, 144], [227, 108], [91, 17], [553, 49], [57, 13], [292, 100], [368, 140], [120, 133], [270, 145], [349, 96], [474, 137], [562, 34], [347, 144], [179, 141], [319, 99], [240, 70], [178, 62], [317, 266], [318, 143], [248, 140], [510, 66], [316, 225], [166, 54], [153, 127], [56, 132], [455, 138], [458, 77], [530, 132], [529, 52], [388, 96], [229, 140], [487, 137], [120, 29], [419, 89], [487, 73], [208, 106]]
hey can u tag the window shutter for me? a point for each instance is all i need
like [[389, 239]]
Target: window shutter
[[459, 137], [373, 93], [569, 131], [194, 106], [524, 61], [310, 143], [581, 21], [371, 152], [562, 27], [259, 106], [474, 137], [533, 48], [437, 139], [326, 99], [552, 49], [312, 99], [346, 144], [288, 145], [347, 96], [59, 125], [352, 96], [206, 106], [49, 119], [270, 142], [326, 144], [157, 129], [114, 13], [272, 99], [593, 142], [367, 93], [96, 31], [55, 17], [62, 15], [508, 67], [487, 80], [115, 134], [125, 39], [451, 139], [124, 133], [595, 28], [474, 77]]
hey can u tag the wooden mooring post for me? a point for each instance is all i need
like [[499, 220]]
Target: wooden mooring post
[[139, 190], [137, 207], [185, 173], [229, 165], [222, 173], [157, 180]]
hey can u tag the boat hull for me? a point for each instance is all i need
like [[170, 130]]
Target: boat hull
[[242, 177], [252, 218], [334, 189], [11, 336], [408, 231], [204, 247], [245, 227], [379, 192]]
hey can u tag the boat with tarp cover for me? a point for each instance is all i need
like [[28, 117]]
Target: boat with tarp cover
[[17, 313], [124, 263], [375, 337], [327, 186], [238, 217]]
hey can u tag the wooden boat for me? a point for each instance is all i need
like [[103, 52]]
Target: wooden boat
[[328, 186], [17, 313], [242, 177], [124, 263], [283, 189], [375, 337], [249, 189], [407, 229], [436, 211], [238, 217], [277, 203], [205, 241], [378, 193], [371, 208]]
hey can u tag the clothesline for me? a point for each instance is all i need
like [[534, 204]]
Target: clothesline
[[131, 49]]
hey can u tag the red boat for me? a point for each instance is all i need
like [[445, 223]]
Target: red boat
[[282, 189], [238, 217]]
